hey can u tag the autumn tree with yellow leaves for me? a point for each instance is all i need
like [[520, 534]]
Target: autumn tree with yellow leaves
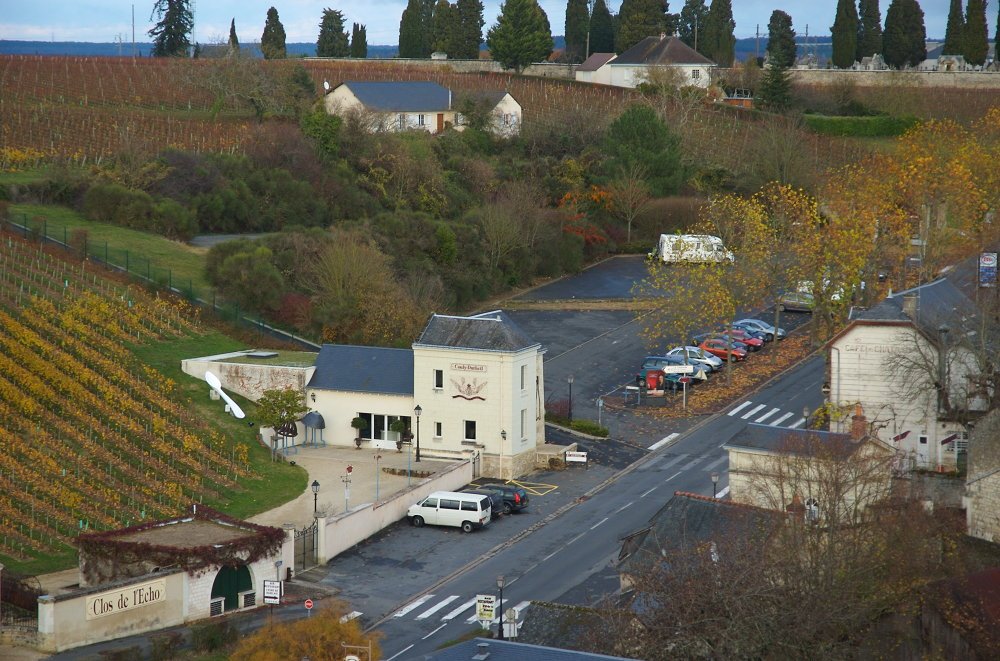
[[323, 636]]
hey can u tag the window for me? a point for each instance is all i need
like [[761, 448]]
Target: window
[[524, 375], [438, 379], [469, 506], [524, 423], [430, 502], [448, 504], [402, 121], [695, 74], [812, 510], [420, 120], [438, 430], [470, 430]]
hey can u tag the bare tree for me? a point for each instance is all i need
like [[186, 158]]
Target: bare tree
[[629, 196]]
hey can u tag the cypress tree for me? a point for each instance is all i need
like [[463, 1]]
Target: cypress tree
[[411, 39], [470, 29], [904, 43], [976, 38], [845, 34], [869, 29], [602, 29], [272, 42], [172, 32], [720, 42], [234, 41], [639, 19], [332, 41], [444, 27], [577, 24], [781, 40], [691, 24], [521, 35], [955, 29], [359, 41]]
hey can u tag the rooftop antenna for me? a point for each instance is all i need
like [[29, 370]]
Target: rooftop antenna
[[231, 406]]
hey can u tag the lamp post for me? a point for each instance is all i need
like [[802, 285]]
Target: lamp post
[[416, 412], [377, 471], [346, 479], [315, 488], [503, 439], [500, 584], [569, 380], [715, 483]]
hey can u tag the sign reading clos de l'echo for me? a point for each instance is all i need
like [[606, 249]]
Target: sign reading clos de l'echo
[[133, 596]]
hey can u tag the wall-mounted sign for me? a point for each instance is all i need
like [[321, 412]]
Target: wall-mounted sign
[[988, 269], [133, 596], [468, 390], [467, 367], [870, 348]]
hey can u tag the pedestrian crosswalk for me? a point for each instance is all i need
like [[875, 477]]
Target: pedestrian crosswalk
[[437, 609], [762, 414]]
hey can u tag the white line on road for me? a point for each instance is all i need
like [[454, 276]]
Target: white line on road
[[413, 605], [435, 631], [430, 611], [549, 556], [715, 463], [798, 423], [647, 492], [722, 494], [455, 613], [350, 616], [781, 419], [691, 463], [400, 652], [673, 476], [623, 507], [672, 462], [576, 538], [601, 521], [767, 415], [752, 411], [663, 441], [740, 408]]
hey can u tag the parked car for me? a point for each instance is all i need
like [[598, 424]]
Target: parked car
[[753, 341], [736, 342], [515, 498], [797, 301], [770, 332], [696, 356], [659, 362], [449, 508], [496, 500], [719, 347]]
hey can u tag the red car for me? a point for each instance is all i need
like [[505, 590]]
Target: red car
[[754, 343], [717, 347]]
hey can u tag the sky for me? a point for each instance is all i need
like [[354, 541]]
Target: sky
[[106, 20]]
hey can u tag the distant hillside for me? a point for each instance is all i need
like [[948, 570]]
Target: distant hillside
[[111, 49]]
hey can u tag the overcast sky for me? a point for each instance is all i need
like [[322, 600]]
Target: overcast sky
[[104, 20]]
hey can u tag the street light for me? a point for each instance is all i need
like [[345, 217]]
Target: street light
[[417, 411], [503, 439], [715, 483], [500, 583], [315, 488], [569, 380]]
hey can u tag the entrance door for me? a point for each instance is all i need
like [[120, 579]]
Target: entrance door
[[440, 123], [229, 582], [923, 456]]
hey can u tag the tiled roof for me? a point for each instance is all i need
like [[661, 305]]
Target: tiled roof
[[668, 50], [790, 441], [595, 61], [364, 369], [489, 331], [493, 97], [401, 96]]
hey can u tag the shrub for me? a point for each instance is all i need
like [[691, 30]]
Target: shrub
[[868, 127], [165, 645], [213, 636], [589, 427]]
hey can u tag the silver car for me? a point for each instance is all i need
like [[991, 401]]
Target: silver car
[[759, 326], [696, 356]]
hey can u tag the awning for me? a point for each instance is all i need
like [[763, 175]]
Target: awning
[[898, 437], [949, 439]]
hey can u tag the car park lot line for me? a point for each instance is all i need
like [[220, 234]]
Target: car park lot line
[[798, 423], [663, 441], [455, 613], [715, 463], [752, 412], [413, 605], [647, 492], [602, 520], [435, 631], [781, 419], [430, 611], [400, 652], [767, 415], [740, 408]]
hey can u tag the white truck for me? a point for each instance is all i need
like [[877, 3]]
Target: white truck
[[697, 248]]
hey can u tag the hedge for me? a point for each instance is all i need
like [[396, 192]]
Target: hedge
[[868, 127]]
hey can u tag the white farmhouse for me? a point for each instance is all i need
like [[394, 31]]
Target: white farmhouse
[[502, 111], [637, 64]]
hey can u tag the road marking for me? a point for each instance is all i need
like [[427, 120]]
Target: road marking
[[623, 507], [455, 613], [435, 631], [752, 411], [574, 539], [691, 463], [673, 476], [740, 408], [668, 464], [350, 616], [430, 611], [663, 441], [412, 606], [781, 419], [722, 494], [767, 415], [715, 463], [602, 520], [798, 423], [549, 556], [646, 493], [400, 652]]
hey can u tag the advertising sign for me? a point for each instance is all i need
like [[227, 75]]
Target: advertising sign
[[988, 269], [123, 599], [272, 592], [485, 607]]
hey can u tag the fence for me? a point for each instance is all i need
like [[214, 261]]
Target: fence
[[143, 270]]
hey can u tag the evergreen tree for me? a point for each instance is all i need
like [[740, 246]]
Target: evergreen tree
[[638, 137], [955, 29], [639, 19], [411, 40], [602, 29], [359, 41], [444, 27], [691, 24], [521, 35], [781, 40], [332, 41], [427, 26], [272, 42], [470, 29], [775, 92], [845, 34], [577, 24], [720, 40], [976, 38], [172, 32], [869, 29], [904, 43], [234, 41]]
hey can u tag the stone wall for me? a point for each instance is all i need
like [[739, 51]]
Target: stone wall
[[246, 379], [982, 495], [967, 79], [540, 69]]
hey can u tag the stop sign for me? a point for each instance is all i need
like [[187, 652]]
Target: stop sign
[[350, 469], [685, 379], [309, 604]]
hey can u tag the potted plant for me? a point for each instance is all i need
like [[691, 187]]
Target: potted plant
[[360, 424], [399, 427]]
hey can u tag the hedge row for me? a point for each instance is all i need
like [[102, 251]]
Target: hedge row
[[869, 127]]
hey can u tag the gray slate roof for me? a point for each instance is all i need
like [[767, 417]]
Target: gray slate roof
[[505, 650], [595, 61], [789, 441], [488, 331], [401, 96], [364, 369], [668, 50]]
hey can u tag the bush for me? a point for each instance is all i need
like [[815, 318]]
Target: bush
[[868, 127], [589, 427], [165, 645], [213, 636]]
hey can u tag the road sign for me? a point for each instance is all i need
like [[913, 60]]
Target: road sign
[[485, 607], [677, 369], [988, 269], [577, 457], [272, 592], [309, 604], [685, 379], [350, 469]]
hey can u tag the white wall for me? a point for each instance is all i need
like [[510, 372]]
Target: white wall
[[507, 117], [623, 75], [339, 408]]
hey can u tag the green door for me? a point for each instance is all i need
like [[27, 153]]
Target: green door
[[229, 582]]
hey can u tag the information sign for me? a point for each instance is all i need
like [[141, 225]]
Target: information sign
[[272, 592], [485, 607]]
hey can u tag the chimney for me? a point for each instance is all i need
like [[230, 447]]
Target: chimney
[[910, 302], [663, 35], [482, 652], [859, 424]]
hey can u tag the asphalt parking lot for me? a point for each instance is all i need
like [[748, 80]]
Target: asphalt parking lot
[[612, 278]]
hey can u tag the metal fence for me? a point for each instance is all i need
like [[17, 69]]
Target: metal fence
[[305, 548]]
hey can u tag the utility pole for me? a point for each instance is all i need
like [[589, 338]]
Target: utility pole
[[133, 29], [756, 45]]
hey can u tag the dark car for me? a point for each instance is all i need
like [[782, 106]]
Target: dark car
[[515, 498], [496, 500]]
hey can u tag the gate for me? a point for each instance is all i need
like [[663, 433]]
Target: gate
[[19, 610], [305, 548]]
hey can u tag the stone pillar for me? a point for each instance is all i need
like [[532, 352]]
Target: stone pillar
[[46, 623], [288, 550], [321, 546]]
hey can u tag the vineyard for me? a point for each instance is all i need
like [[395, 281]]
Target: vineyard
[[92, 438]]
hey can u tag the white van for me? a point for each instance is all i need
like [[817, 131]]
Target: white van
[[450, 508], [691, 248]]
